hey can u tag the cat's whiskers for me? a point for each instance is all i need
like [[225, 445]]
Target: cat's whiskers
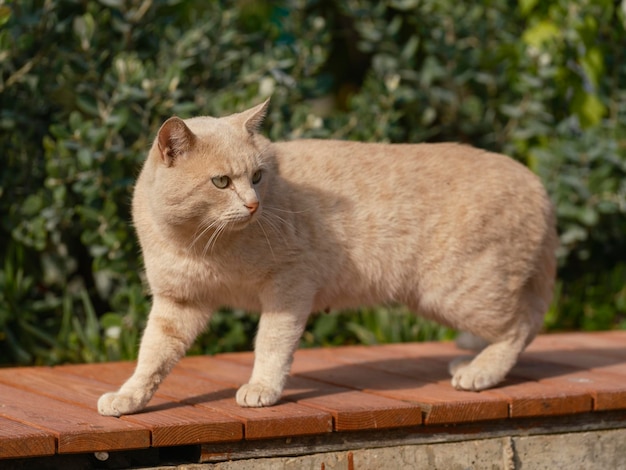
[[275, 222], [273, 208], [269, 244], [280, 220], [213, 240], [203, 228]]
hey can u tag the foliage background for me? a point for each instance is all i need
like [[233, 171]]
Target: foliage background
[[85, 84]]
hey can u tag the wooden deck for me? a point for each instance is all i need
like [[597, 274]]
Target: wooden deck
[[46, 411]]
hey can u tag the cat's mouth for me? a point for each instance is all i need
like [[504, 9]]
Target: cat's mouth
[[239, 223]]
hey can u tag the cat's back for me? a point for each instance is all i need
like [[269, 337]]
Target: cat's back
[[422, 175], [427, 196]]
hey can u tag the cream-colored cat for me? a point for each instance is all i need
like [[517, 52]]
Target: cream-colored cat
[[226, 218]]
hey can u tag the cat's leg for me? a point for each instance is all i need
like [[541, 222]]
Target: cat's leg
[[277, 339], [508, 323], [172, 327], [509, 335], [488, 368], [467, 340], [506, 340]]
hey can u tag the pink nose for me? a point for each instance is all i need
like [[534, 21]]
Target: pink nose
[[252, 206]]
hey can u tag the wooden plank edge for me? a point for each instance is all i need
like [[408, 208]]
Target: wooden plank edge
[[19, 440]]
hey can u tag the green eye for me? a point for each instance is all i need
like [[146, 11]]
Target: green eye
[[256, 177], [221, 182]]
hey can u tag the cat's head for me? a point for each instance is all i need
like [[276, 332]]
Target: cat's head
[[210, 174]]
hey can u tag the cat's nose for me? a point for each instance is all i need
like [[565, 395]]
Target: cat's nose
[[252, 206]]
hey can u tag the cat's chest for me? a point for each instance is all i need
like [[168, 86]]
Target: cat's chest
[[217, 283]]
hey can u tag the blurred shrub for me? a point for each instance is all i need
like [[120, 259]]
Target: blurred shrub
[[84, 86]]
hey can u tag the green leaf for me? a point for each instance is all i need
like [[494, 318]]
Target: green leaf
[[5, 14], [87, 104], [542, 32], [593, 65], [32, 205], [112, 3], [588, 108], [364, 335], [84, 28], [404, 5], [588, 216], [526, 6]]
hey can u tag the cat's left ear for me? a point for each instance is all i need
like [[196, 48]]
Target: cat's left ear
[[174, 139], [253, 118]]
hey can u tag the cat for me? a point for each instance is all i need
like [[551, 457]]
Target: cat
[[227, 218]]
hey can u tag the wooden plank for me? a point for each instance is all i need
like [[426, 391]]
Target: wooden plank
[[434, 394], [353, 410], [604, 342], [603, 352], [528, 398], [608, 390], [220, 369], [421, 361], [113, 373], [577, 352], [588, 350], [350, 410], [190, 382], [382, 412], [170, 422], [76, 429], [552, 397], [581, 361], [51, 383], [177, 424], [21, 440], [209, 368], [441, 402], [429, 361]]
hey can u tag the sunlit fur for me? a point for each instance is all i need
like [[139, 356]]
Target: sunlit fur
[[460, 235]]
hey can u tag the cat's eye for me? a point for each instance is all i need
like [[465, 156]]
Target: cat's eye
[[221, 182], [256, 177]]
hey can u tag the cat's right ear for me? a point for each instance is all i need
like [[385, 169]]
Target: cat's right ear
[[174, 140], [253, 118]]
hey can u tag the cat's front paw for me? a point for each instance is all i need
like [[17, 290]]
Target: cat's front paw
[[257, 395], [117, 404]]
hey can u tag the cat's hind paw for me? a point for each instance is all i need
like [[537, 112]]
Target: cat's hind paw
[[466, 376], [118, 404], [257, 395], [488, 368]]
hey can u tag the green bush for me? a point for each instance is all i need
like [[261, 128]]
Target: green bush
[[84, 86]]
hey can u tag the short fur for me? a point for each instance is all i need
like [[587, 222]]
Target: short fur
[[460, 235]]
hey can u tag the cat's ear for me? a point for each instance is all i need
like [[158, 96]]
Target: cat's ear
[[174, 139], [253, 118]]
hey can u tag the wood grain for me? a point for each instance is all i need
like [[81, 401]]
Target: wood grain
[[282, 420], [608, 390], [441, 402], [350, 409], [428, 361], [21, 440], [75, 428], [353, 410], [170, 422]]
